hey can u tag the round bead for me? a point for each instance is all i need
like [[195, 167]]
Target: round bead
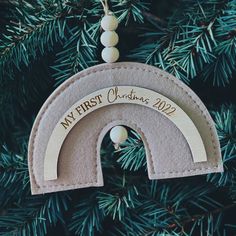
[[110, 55], [118, 134], [109, 38], [109, 23]]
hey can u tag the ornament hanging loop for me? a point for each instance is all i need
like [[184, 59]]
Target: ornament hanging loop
[[105, 6], [109, 37]]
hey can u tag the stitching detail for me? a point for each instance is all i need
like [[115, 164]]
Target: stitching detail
[[94, 71], [185, 171]]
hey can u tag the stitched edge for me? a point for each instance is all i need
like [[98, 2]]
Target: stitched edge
[[94, 71]]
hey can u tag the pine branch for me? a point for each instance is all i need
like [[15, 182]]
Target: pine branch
[[225, 125], [220, 71], [118, 198], [186, 45], [228, 176], [167, 209], [206, 215], [87, 218], [207, 224], [232, 192], [20, 100], [108, 154], [130, 9], [14, 178], [226, 128], [34, 29], [34, 215], [79, 52], [132, 154], [155, 20]]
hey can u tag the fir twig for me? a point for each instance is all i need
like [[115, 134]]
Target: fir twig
[[87, 218], [36, 27], [226, 128], [82, 48], [34, 215]]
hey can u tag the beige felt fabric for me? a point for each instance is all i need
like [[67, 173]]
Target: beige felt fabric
[[168, 154]]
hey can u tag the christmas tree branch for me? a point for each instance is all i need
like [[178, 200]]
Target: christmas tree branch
[[14, 179], [185, 45], [130, 9], [82, 48], [25, 38], [38, 32], [87, 218], [220, 71], [197, 217], [157, 21], [34, 215], [225, 124], [132, 154]]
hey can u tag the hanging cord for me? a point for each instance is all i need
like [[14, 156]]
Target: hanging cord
[[109, 37], [105, 6]]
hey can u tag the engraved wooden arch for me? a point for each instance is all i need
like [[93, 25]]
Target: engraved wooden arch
[[116, 95], [64, 146]]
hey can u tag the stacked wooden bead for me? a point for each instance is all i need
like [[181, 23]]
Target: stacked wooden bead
[[109, 38]]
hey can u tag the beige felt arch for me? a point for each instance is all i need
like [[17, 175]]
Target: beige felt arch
[[168, 151], [144, 97]]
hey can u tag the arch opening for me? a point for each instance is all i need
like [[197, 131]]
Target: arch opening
[[122, 158]]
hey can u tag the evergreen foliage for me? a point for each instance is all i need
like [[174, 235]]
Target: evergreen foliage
[[44, 42], [198, 38], [34, 215]]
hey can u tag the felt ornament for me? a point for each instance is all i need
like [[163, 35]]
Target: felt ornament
[[177, 130]]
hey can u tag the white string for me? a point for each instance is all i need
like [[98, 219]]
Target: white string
[[105, 6]]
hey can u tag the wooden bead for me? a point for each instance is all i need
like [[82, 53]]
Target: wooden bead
[[109, 23], [118, 134], [110, 54], [109, 38]]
